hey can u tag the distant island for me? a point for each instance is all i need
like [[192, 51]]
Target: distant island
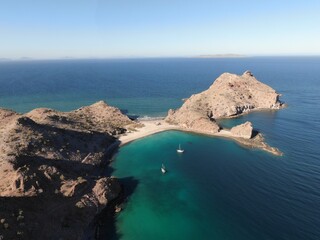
[[52, 183], [5, 59], [230, 55]]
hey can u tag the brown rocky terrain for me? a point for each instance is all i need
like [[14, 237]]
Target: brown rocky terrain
[[230, 95], [244, 130], [50, 168]]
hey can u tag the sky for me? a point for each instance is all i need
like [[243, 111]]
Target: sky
[[45, 29]]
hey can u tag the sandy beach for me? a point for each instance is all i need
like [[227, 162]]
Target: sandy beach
[[150, 127], [155, 126]]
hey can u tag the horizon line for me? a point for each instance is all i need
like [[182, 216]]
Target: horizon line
[[203, 56]]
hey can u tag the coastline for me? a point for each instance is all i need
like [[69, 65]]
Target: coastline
[[151, 127], [283, 105]]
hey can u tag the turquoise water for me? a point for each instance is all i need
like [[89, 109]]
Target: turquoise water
[[216, 189]]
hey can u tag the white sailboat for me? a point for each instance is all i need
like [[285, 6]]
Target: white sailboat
[[179, 150], [163, 169]]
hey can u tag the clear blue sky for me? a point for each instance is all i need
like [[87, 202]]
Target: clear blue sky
[[152, 28]]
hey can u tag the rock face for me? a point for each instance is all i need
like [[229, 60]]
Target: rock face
[[50, 164], [193, 120], [244, 130], [98, 117], [230, 95]]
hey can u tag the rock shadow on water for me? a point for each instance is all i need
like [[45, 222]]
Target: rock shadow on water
[[106, 220], [254, 133]]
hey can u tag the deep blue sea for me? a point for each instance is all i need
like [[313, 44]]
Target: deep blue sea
[[216, 189]]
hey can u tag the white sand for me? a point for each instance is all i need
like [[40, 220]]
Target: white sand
[[156, 126], [149, 128]]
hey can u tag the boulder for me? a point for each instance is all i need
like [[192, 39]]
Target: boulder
[[244, 130], [106, 189]]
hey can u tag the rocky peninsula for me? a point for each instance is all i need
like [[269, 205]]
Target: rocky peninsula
[[52, 184], [53, 179], [229, 96]]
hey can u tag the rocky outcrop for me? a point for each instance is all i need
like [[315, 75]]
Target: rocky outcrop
[[50, 167], [230, 95], [96, 117], [103, 192], [192, 120], [258, 141], [244, 130]]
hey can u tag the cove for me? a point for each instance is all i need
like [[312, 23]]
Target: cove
[[215, 190]]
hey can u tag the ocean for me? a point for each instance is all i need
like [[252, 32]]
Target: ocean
[[217, 189]]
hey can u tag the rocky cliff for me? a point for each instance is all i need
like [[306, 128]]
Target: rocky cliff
[[229, 95], [50, 168], [244, 130]]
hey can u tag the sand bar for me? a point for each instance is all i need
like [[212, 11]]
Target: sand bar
[[150, 127], [155, 126]]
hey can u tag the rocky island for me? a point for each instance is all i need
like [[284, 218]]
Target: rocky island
[[53, 178], [229, 96]]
